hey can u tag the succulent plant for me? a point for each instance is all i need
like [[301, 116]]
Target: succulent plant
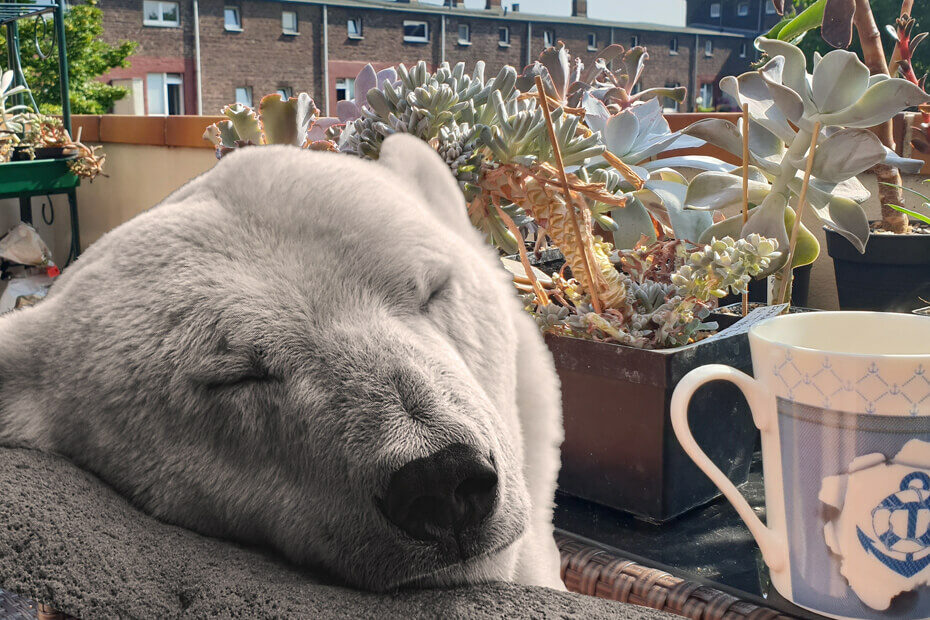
[[279, 121], [785, 105], [10, 115], [666, 311], [568, 81], [350, 109]]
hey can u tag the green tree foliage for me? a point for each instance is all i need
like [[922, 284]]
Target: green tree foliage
[[88, 58], [885, 12]]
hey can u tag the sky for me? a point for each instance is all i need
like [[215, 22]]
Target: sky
[[665, 11]]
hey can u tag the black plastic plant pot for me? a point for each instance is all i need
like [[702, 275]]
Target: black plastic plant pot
[[50, 152], [893, 274], [800, 289], [727, 315], [619, 448]]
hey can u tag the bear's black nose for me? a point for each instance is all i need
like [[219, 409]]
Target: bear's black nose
[[442, 497]]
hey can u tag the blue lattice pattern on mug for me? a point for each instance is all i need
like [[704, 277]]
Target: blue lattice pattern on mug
[[824, 384]]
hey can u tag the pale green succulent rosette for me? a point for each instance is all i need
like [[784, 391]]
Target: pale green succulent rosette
[[785, 104]]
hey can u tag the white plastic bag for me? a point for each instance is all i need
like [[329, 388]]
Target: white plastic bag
[[23, 245]]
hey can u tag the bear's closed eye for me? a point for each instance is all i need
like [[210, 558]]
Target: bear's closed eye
[[233, 370]]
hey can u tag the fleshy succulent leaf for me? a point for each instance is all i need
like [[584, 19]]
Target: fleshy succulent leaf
[[279, 120]]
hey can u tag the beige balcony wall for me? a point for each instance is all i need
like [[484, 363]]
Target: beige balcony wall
[[138, 177]]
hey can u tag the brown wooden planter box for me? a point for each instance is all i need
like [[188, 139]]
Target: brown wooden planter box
[[620, 450]]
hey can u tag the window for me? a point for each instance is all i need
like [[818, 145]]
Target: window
[[592, 41], [244, 95], [715, 9], [769, 8], [164, 14], [286, 92], [165, 93], [345, 89], [742, 9], [636, 88], [673, 46], [503, 36], [634, 40], [708, 48], [231, 19], [668, 104], [289, 22], [549, 38], [464, 34], [354, 28], [707, 95], [416, 32], [743, 49]]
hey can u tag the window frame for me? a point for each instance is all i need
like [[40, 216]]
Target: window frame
[[715, 10], [285, 91], [467, 39], [503, 36], [708, 48], [238, 13], [743, 49], [285, 29], [167, 79], [549, 39], [413, 38], [742, 9], [673, 46], [348, 87], [249, 90], [676, 105], [704, 102], [592, 41], [359, 28], [634, 41], [160, 22], [770, 8]]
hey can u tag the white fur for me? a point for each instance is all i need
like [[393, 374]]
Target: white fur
[[229, 360]]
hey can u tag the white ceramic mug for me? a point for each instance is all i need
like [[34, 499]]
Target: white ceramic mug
[[842, 400]]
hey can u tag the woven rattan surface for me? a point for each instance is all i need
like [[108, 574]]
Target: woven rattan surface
[[595, 572], [13, 607]]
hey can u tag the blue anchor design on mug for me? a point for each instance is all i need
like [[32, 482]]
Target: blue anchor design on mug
[[901, 523]]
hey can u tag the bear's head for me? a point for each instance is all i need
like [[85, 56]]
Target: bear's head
[[297, 350]]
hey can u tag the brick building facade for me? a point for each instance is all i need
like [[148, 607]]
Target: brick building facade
[[248, 48]]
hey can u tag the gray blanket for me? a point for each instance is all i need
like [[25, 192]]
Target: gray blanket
[[68, 540]]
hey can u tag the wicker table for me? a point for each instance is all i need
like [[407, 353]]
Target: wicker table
[[703, 565]]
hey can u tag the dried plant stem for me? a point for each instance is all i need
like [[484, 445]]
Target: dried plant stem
[[569, 199], [554, 103], [873, 55], [745, 307], [541, 296], [802, 200], [624, 169]]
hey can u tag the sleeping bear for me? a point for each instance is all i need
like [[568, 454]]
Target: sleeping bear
[[309, 353]]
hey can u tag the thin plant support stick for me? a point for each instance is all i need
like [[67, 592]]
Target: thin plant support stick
[[524, 259], [745, 186], [783, 293], [595, 300]]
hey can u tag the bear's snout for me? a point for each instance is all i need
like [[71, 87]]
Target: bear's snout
[[443, 498]]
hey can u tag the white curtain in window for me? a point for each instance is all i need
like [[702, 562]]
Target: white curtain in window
[[155, 87]]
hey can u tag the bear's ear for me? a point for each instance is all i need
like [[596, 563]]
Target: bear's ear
[[415, 160]]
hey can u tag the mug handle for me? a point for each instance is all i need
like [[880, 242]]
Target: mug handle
[[772, 545]]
